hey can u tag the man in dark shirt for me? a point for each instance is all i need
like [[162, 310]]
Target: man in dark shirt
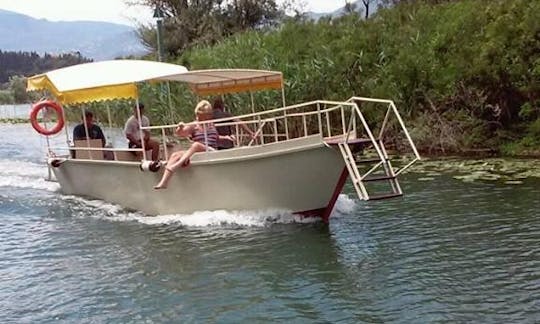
[[219, 112], [79, 132], [225, 140]]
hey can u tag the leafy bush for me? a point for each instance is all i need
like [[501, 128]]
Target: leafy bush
[[6, 97], [464, 74]]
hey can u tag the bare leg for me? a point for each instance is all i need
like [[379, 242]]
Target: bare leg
[[169, 170], [194, 148], [174, 157], [164, 182]]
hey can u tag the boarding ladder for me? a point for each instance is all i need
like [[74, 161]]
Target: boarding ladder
[[380, 172]]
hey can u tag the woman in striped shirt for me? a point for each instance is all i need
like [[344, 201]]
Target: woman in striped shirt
[[204, 136]]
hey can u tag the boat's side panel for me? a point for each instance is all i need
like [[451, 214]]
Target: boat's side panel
[[296, 180]]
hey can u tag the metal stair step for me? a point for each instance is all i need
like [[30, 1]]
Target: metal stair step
[[373, 160], [385, 196], [381, 178], [350, 141]]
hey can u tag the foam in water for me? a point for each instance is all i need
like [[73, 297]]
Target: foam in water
[[256, 218], [217, 218], [22, 174], [344, 205]]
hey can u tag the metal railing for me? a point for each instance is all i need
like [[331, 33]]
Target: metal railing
[[333, 120]]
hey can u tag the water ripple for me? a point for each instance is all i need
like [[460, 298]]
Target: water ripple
[[448, 251]]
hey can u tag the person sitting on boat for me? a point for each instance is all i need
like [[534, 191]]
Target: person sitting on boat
[[95, 132], [133, 134], [204, 136], [225, 132]]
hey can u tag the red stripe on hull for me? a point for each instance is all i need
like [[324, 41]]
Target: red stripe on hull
[[325, 212]]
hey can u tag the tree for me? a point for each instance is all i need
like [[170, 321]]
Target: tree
[[366, 5], [17, 86], [189, 23], [349, 7]]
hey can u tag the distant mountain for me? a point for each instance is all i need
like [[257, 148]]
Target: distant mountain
[[96, 40], [359, 7]]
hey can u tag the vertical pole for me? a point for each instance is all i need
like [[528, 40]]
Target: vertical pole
[[159, 39], [110, 124], [258, 116], [319, 119], [284, 112], [141, 132], [65, 125], [165, 150], [343, 122], [170, 102], [87, 134], [328, 127]]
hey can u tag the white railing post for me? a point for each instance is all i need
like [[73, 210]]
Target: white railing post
[[305, 125], [328, 127], [319, 118], [405, 130], [164, 140], [343, 122], [383, 126]]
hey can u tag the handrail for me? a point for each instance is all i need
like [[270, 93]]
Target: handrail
[[266, 112], [391, 108], [398, 117], [327, 118]]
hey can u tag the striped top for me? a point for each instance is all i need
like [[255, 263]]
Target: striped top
[[212, 135]]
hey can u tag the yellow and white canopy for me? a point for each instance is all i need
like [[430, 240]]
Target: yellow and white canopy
[[118, 79], [207, 82], [101, 80]]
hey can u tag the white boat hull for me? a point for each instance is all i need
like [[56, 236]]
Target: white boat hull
[[301, 176]]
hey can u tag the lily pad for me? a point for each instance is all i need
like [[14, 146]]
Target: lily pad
[[486, 169], [513, 182]]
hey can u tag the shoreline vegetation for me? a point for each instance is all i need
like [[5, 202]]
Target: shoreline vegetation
[[465, 75]]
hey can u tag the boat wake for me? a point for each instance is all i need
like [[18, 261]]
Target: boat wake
[[218, 218], [21, 174], [29, 175]]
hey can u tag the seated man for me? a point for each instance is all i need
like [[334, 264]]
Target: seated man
[[79, 132], [133, 133]]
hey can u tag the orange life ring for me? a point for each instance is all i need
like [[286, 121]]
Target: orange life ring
[[59, 114]]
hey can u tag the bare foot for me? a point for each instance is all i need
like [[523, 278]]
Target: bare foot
[[157, 187]]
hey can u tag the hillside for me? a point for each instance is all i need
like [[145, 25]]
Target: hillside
[[96, 40]]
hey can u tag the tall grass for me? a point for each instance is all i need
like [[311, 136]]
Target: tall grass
[[465, 74]]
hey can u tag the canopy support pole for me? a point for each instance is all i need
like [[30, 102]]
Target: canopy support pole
[[141, 133], [66, 124], [169, 100], [258, 117], [86, 132], [284, 111]]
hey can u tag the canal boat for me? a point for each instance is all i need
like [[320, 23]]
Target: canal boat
[[298, 158]]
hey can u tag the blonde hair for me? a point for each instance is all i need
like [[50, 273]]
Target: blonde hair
[[203, 108]]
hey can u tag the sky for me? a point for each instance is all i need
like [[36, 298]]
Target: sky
[[114, 10]]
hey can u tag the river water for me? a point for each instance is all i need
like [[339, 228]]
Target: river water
[[15, 111], [449, 251]]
